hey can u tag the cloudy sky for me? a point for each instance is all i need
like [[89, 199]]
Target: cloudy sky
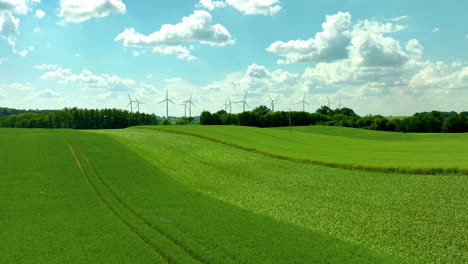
[[377, 57]]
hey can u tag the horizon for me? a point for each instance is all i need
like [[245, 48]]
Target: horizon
[[376, 58]]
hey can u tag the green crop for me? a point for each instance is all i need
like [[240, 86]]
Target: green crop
[[146, 196], [346, 147]]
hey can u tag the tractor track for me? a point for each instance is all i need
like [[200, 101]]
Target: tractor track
[[187, 250], [108, 206], [140, 217]]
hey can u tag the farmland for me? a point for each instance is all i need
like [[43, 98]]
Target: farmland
[[149, 196], [347, 147]]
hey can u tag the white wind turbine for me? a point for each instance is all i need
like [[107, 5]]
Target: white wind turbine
[[167, 100]]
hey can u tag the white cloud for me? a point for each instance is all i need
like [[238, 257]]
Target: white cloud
[[2, 60], [440, 76], [466, 36], [248, 7], [414, 47], [436, 30], [137, 53], [169, 39], [9, 27], [210, 4], [37, 29], [16, 6], [179, 51], [40, 14], [87, 80], [45, 94], [77, 11], [329, 45], [47, 67], [398, 18], [9, 24], [364, 43], [20, 86]]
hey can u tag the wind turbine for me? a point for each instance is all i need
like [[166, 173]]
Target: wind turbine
[[272, 103], [244, 102], [229, 105], [303, 102], [167, 100], [185, 107], [130, 104], [225, 105], [329, 103], [340, 105], [138, 104], [189, 102]]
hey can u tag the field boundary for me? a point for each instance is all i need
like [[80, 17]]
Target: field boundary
[[419, 171]]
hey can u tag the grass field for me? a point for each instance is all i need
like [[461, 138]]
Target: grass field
[[147, 196], [347, 147]]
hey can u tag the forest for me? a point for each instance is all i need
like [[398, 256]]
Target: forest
[[433, 122], [76, 118]]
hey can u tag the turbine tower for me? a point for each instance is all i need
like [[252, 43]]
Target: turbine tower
[[167, 100], [340, 105], [329, 103], [130, 104], [138, 104], [225, 105], [303, 102], [272, 103], [229, 105], [244, 102], [190, 103], [185, 107]]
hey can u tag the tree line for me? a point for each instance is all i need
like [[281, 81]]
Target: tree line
[[434, 122], [5, 111], [77, 118]]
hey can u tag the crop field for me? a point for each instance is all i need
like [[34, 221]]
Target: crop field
[[347, 147], [231, 195]]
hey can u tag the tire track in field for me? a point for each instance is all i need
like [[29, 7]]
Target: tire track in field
[[147, 242], [186, 249]]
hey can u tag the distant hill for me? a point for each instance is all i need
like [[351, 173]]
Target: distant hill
[[5, 111]]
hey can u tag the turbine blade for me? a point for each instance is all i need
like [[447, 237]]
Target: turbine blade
[[170, 101]]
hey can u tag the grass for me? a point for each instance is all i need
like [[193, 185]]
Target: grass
[[346, 147], [141, 195]]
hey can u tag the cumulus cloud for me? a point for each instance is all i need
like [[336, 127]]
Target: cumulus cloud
[[109, 85], [210, 4], [440, 75], [247, 7], [9, 27], [329, 45], [169, 39], [364, 43], [9, 24], [436, 30], [40, 14], [77, 11]]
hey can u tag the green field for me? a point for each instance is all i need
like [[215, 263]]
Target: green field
[[148, 196], [347, 147]]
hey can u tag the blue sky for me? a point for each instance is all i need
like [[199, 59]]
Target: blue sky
[[378, 57]]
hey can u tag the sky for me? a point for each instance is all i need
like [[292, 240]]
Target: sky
[[376, 57]]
